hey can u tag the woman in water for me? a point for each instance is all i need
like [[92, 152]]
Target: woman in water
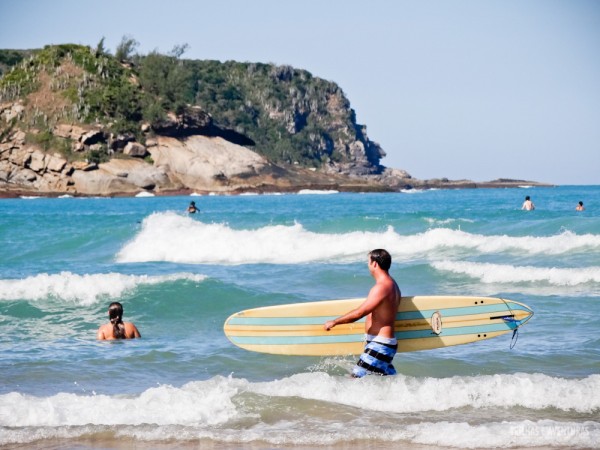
[[117, 329]]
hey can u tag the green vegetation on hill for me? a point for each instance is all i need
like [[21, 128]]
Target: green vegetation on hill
[[292, 116]]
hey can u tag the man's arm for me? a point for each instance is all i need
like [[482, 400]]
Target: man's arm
[[374, 299]]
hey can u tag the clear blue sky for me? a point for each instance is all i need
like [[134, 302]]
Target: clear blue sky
[[470, 89]]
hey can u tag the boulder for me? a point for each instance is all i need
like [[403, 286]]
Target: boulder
[[92, 137], [5, 147], [23, 176], [77, 132], [18, 137], [55, 162], [51, 182], [6, 169], [139, 174], [100, 182], [20, 156], [37, 161], [84, 166], [118, 142], [192, 120], [63, 130], [206, 163], [135, 149], [9, 111]]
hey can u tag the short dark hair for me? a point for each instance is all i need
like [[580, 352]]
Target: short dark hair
[[382, 258]]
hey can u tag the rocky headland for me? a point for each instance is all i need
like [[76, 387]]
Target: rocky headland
[[76, 121]]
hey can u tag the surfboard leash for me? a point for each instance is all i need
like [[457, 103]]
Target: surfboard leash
[[508, 319]]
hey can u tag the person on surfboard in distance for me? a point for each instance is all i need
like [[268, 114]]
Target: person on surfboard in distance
[[380, 308], [117, 329]]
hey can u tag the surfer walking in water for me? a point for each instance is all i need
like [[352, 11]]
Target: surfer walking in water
[[380, 309]]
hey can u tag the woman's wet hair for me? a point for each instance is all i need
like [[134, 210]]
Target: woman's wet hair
[[382, 258], [115, 314]]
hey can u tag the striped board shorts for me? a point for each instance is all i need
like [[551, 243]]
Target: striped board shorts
[[377, 357]]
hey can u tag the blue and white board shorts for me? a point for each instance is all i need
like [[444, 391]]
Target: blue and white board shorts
[[377, 357]]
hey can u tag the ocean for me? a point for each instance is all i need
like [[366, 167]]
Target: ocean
[[179, 276]]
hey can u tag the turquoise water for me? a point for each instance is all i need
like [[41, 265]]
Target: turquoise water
[[179, 277]]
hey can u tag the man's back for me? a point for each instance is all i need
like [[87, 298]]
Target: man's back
[[382, 318], [106, 331]]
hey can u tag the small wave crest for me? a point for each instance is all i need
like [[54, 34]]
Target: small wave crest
[[502, 273], [317, 192], [82, 289], [532, 391], [176, 238]]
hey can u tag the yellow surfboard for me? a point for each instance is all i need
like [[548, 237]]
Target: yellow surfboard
[[422, 322]]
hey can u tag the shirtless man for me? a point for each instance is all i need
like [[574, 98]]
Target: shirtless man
[[192, 208], [528, 204], [117, 329], [380, 307]]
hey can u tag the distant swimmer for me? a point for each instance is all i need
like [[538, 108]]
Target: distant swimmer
[[380, 309], [192, 208], [580, 207], [528, 204], [117, 329]]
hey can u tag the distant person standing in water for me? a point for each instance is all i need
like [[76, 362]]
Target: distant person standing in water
[[528, 204], [580, 207], [117, 329], [192, 208]]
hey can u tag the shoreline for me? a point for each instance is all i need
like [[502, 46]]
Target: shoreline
[[359, 187]]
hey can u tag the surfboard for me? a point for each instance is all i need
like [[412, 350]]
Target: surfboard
[[422, 323]]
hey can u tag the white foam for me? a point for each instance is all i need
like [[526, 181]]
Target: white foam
[[346, 410], [433, 221], [532, 391], [413, 191], [167, 236], [502, 273], [317, 192], [207, 402], [82, 289], [513, 434], [144, 194]]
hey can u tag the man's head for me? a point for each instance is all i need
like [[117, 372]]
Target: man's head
[[382, 258]]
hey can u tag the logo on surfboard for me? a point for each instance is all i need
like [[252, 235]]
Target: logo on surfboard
[[436, 322]]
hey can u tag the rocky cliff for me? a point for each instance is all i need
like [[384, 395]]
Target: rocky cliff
[[75, 120]]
